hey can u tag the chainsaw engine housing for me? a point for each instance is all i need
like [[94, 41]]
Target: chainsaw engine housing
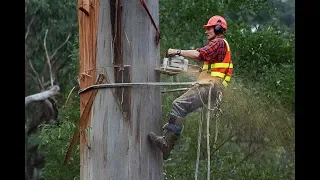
[[175, 63]]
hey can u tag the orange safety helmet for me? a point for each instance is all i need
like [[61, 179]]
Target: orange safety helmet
[[216, 20]]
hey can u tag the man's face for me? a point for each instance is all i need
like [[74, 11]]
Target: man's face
[[210, 33]]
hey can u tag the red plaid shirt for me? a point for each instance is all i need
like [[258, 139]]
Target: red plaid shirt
[[215, 51]]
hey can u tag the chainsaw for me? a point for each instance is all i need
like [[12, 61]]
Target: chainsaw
[[173, 65]]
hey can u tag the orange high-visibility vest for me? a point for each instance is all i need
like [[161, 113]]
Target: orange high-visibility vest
[[222, 69]]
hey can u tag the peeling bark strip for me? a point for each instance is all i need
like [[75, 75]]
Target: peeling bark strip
[[87, 47], [85, 7], [83, 122], [85, 114], [88, 27], [121, 73]]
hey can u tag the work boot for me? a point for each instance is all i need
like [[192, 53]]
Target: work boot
[[171, 131]]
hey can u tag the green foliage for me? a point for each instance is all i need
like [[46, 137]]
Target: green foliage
[[71, 73], [182, 26], [265, 61], [60, 19], [254, 141], [54, 142]]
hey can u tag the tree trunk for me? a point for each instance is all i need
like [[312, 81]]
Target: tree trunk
[[118, 41]]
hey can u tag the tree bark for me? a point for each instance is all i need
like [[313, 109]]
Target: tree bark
[[117, 39]]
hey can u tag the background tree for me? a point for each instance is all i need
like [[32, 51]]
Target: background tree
[[49, 35]]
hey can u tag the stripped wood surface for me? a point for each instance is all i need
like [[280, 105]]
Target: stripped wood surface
[[87, 51], [120, 118], [80, 131]]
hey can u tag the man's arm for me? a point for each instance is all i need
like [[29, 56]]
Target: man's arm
[[215, 50], [194, 54]]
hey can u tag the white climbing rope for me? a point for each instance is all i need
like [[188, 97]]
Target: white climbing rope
[[204, 105], [216, 134], [208, 133], [199, 141]]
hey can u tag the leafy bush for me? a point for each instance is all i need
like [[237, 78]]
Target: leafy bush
[[254, 141], [264, 61], [54, 142]]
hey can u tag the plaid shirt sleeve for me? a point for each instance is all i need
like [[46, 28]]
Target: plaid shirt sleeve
[[215, 51]]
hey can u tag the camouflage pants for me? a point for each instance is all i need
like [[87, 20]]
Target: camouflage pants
[[195, 98]]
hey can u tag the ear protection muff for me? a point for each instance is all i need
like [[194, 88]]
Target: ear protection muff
[[218, 29]]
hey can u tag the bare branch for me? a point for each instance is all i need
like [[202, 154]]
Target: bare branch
[[65, 104], [35, 72], [48, 59], [54, 90], [47, 83], [50, 106], [42, 79], [28, 29], [217, 148], [56, 50], [55, 63], [78, 80], [251, 153], [34, 79]]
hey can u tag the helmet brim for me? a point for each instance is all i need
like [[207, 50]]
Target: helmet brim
[[207, 26]]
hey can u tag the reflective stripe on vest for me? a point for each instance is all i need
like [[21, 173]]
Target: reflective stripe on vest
[[221, 75], [222, 65], [217, 65]]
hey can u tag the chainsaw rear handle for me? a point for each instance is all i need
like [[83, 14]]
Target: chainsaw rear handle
[[167, 55]]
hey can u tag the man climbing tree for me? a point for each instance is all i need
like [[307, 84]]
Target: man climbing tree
[[215, 75]]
